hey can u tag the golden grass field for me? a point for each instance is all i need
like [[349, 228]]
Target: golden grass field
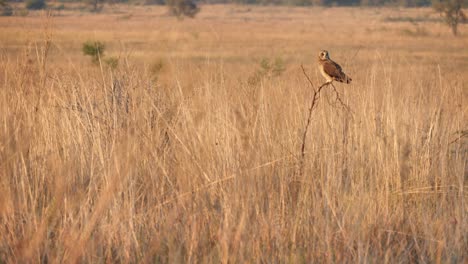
[[189, 151]]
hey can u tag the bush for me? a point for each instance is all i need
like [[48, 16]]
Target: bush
[[182, 8], [112, 62], [22, 12], [5, 10], [156, 69], [96, 5], [94, 49], [418, 32], [59, 7], [268, 69], [35, 4]]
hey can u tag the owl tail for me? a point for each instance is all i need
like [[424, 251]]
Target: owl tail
[[348, 79], [345, 79]]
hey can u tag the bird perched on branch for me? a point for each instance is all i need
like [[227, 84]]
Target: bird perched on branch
[[330, 69]]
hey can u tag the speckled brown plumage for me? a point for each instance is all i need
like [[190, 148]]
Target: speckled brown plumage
[[330, 69]]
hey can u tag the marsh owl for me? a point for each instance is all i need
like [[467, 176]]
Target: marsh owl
[[330, 69]]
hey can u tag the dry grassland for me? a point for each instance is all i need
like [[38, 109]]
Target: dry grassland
[[189, 151]]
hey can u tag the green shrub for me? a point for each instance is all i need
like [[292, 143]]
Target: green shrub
[[35, 4], [112, 62], [272, 68], [94, 49], [156, 68], [268, 69]]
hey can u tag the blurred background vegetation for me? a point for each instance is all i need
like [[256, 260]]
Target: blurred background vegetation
[[450, 10], [406, 3]]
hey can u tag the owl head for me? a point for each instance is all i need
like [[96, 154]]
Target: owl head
[[323, 55]]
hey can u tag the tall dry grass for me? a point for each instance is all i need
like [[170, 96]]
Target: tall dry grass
[[195, 163]]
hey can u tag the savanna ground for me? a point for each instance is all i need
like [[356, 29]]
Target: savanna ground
[[190, 149]]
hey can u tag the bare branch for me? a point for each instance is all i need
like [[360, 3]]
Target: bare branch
[[307, 76], [313, 103], [338, 98]]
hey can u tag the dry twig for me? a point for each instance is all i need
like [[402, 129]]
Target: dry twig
[[313, 104]]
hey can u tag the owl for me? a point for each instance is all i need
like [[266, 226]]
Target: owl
[[330, 69]]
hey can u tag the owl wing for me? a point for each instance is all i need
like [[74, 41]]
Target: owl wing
[[334, 70]]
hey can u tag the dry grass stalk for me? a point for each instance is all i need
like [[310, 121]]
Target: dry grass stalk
[[173, 156]]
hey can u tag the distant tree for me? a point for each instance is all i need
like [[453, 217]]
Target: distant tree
[[317, 2], [346, 2], [182, 8], [154, 2], [451, 11], [5, 9], [372, 2], [411, 3], [298, 2], [95, 5], [35, 4], [249, 2], [336, 2]]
